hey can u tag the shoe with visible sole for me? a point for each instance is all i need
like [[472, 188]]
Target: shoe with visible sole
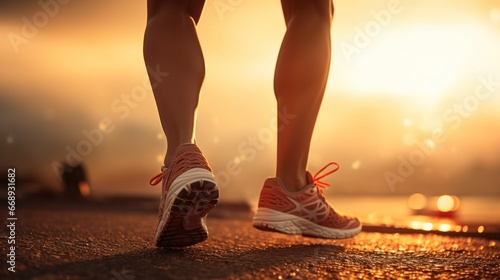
[[305, 212], [189, 192]]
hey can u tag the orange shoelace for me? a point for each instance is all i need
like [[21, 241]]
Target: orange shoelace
[[319, 175], [156, 179]]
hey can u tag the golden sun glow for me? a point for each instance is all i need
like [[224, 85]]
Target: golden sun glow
[[421, 62]]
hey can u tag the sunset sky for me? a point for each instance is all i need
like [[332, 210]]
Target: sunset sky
[[411, 81]]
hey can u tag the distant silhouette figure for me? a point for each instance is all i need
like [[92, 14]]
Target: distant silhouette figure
[[74, 178]]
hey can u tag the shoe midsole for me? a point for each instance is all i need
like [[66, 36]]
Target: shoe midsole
[[272, 217]]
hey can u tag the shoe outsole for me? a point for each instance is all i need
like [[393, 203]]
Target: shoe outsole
[[185, 225]]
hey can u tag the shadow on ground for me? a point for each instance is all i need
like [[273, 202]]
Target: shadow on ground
[[186, 263]]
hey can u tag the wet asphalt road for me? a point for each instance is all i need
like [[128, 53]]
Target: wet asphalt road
[[81, 244]]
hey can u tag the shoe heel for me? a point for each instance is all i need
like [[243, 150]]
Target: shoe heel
[[186, 223]]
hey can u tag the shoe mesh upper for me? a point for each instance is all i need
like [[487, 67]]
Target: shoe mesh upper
[[309, 203], [186, 157]]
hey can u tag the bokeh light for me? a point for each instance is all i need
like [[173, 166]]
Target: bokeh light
[[355, 165], [84, 189], [427, 226], [480, 229], [415, 225], [417, 201], [445, 203], [445, 227]]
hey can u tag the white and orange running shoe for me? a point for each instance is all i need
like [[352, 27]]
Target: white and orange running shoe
[[189, 192], [305, 212]]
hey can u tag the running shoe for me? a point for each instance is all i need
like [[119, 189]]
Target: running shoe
[[305, 212], [189, 192]]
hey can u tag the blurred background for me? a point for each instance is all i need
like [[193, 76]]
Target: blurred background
[[412, 104]]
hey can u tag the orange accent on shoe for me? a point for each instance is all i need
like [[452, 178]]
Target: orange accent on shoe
[[156, 179]]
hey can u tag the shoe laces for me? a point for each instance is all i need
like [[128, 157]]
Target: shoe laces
[[156, 179], [322, 174]]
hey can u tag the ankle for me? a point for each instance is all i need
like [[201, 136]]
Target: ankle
[[167, 161], [293, 184], [171, 150]]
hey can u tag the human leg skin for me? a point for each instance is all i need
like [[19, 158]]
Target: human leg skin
[[171, 45], [293, 202], [300, 79], [189, 188]]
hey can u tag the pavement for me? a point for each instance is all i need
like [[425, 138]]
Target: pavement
[[82, 241]]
